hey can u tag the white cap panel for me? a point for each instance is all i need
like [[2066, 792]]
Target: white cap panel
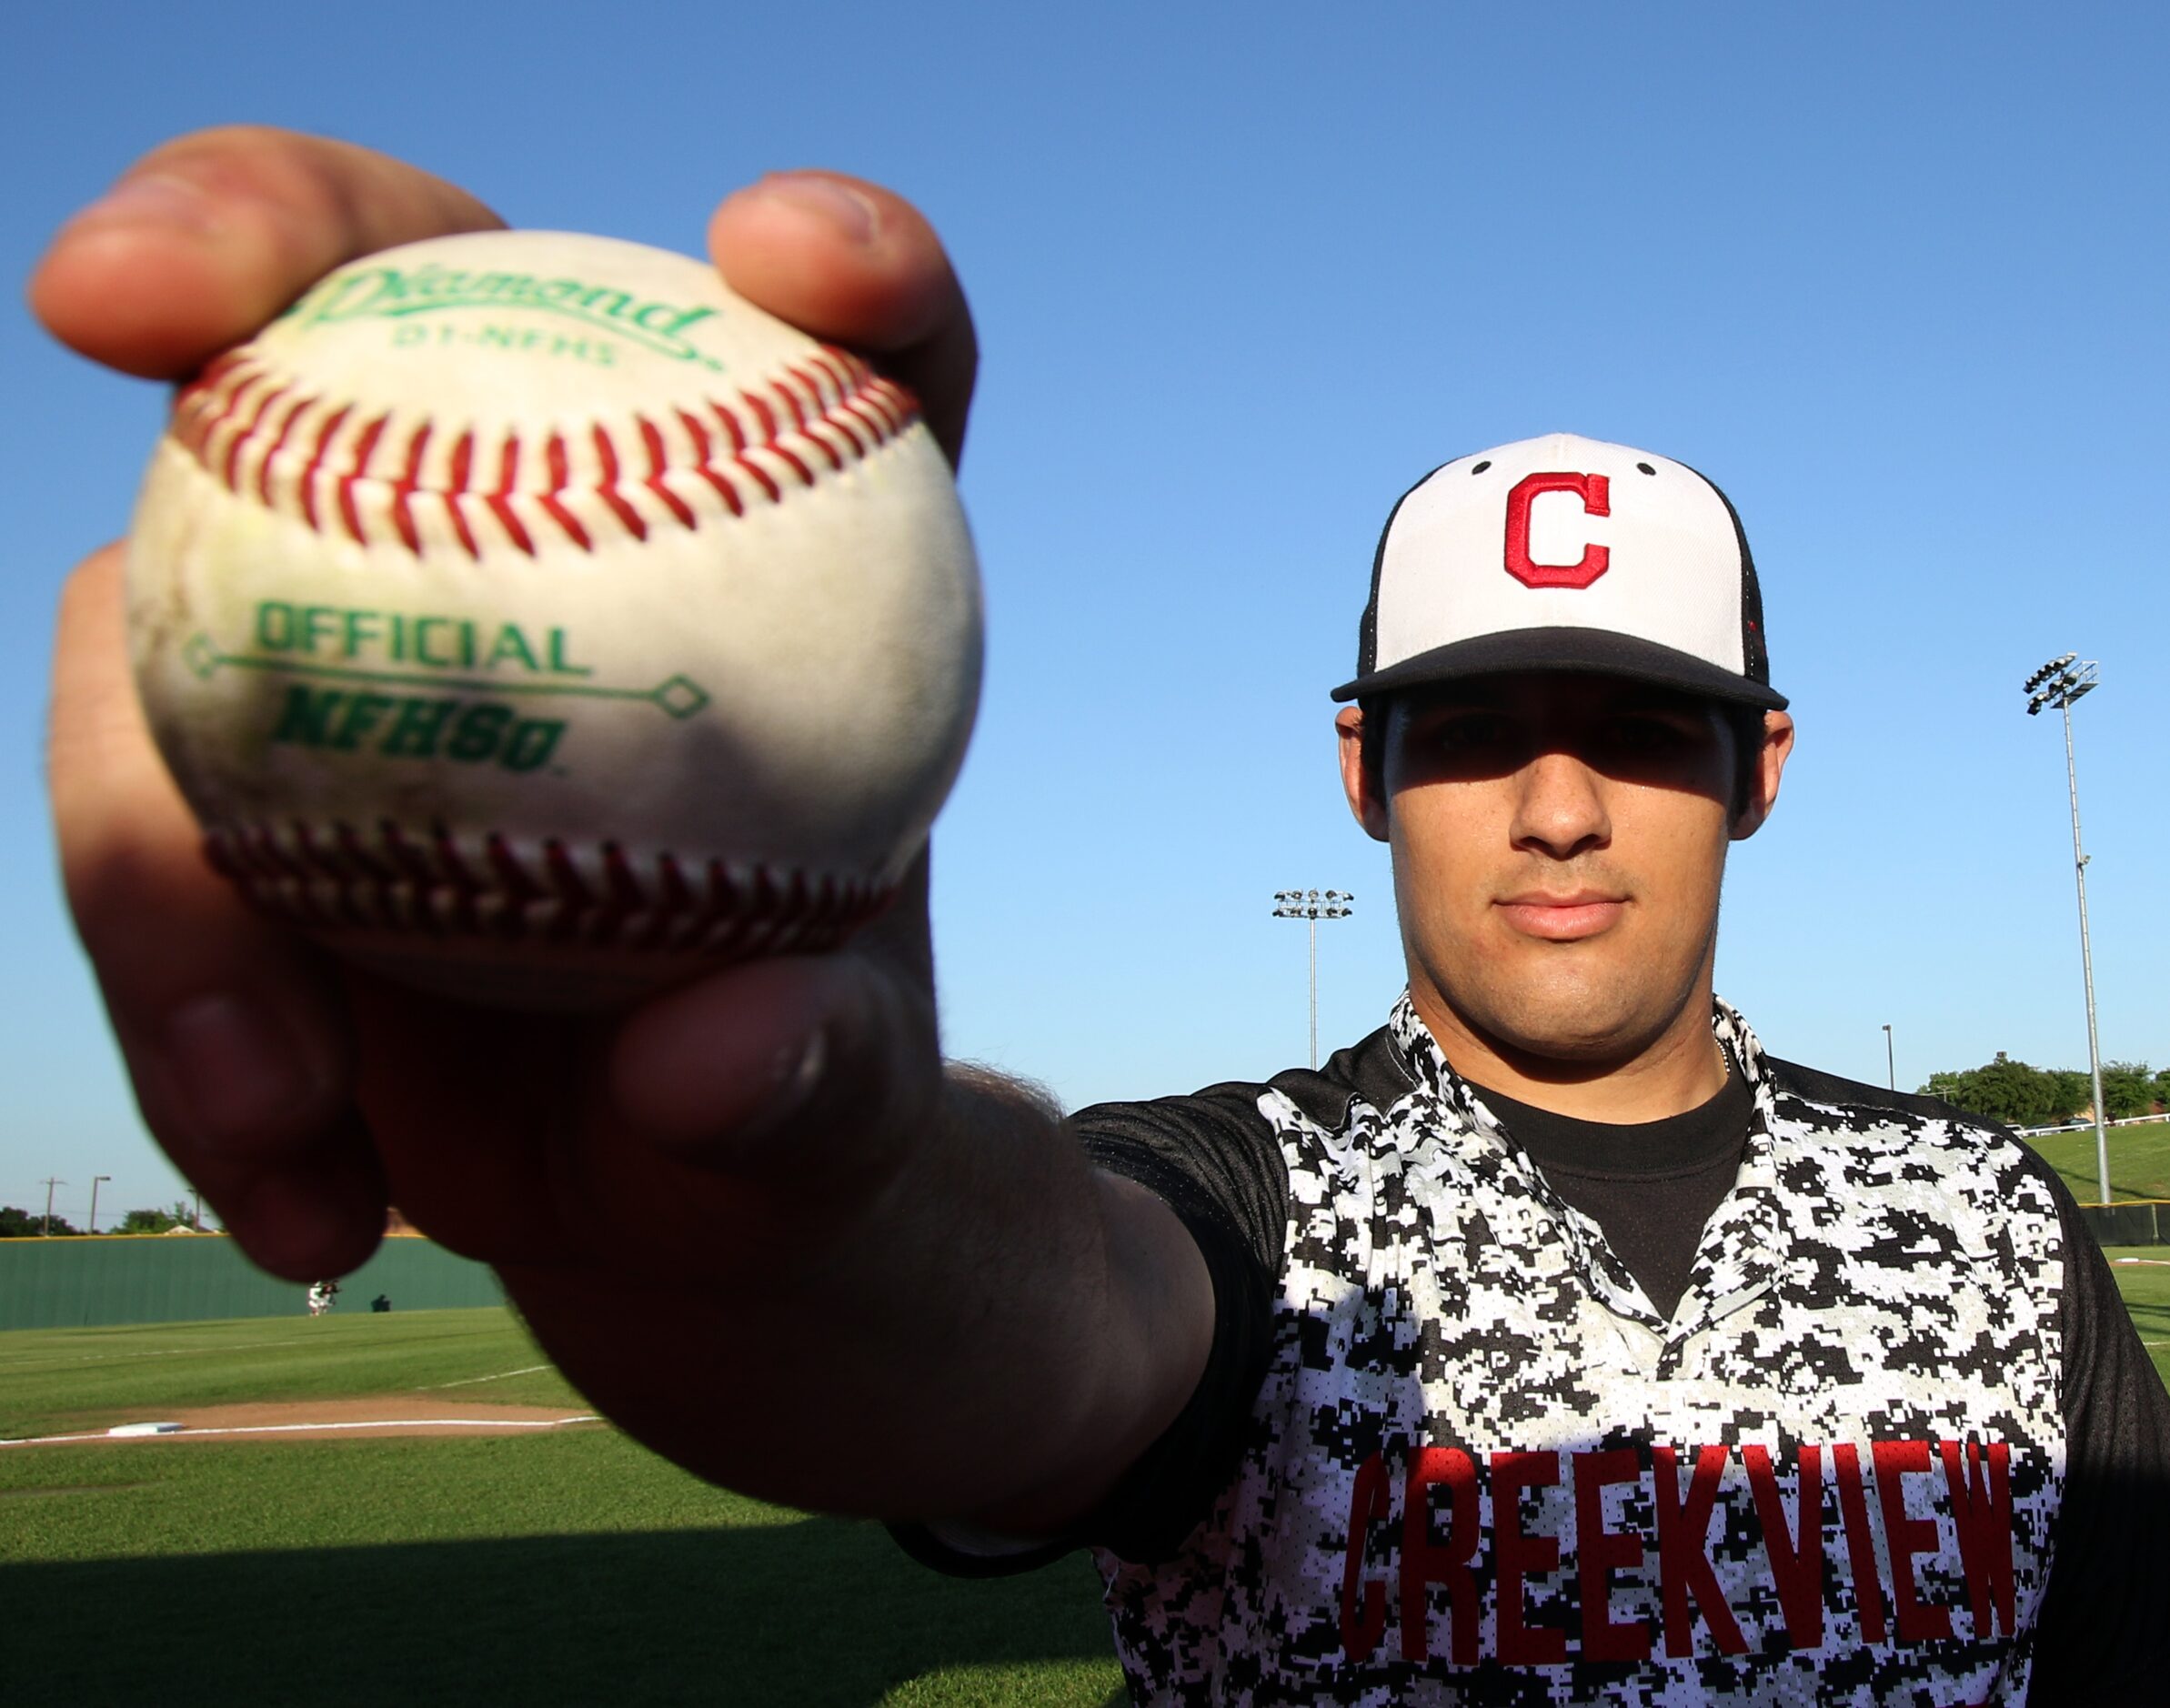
[[1670, 553]]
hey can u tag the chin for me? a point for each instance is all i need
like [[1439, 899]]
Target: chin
[[1577, 1046], [1576, 1027]]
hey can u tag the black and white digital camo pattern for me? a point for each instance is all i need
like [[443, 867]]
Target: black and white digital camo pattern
[[1873, 1316]]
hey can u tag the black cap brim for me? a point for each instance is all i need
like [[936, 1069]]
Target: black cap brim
[[1579, 651]]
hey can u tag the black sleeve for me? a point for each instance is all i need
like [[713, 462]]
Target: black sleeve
[[1212, 1160], [2104, 1632]]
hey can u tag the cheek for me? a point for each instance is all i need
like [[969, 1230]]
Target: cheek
[[1675, 844], [1449, 843]]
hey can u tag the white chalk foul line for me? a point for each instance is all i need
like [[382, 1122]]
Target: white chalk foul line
[[468, 1381], [287, 1429]]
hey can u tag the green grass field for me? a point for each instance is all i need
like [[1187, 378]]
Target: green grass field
[[2139, 1160], [2144, 1281], [557, 1567], [567, 1567]]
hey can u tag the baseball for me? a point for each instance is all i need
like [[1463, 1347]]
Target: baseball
[[528, 617]]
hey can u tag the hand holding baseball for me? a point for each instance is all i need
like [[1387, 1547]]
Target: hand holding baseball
[[688, 1152]]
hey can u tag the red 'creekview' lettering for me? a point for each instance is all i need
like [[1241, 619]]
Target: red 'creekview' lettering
[[1796, 1554], [1605, 1552], [1481, 1551], [1424, 1563], [1982, 1508]]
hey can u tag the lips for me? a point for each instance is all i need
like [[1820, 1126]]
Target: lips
[[1562, 918]]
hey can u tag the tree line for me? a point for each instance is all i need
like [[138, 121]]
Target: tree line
[[27, 1224], [2020, 1095]]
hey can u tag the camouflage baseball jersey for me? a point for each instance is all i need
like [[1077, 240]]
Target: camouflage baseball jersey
[[1482, 1468]]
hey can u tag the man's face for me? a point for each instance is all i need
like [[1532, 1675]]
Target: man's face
[[1558, 844]]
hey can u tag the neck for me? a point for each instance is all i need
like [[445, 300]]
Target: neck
[[1681, 1070]]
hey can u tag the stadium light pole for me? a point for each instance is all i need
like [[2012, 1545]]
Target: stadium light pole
[[51, 1181], [2058, 683], [94, 1199], [1311, 906], [1891, 1062]]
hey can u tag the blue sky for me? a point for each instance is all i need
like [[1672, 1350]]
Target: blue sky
[[1891, 276]]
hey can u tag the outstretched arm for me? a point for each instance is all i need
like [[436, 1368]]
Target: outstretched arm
[[755, 1219]]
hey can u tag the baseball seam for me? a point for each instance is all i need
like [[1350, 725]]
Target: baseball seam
[[484, 886], [387, 479]]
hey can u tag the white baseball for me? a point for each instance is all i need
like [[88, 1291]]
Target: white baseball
[[528, 616]]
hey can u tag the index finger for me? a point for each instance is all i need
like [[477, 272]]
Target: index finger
[[227, 227]]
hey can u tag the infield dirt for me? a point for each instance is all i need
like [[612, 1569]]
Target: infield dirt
[[362, 1419]]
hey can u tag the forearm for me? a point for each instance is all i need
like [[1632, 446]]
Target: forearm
[[993, 1329]]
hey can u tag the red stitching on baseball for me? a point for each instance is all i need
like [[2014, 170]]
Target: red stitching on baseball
[[827, 408], [317, 454], [838, 413], [559, 466], [217, 418], [759, 476], [606, 452], [501, 500], [339, 876], [365, 447], [772, 440], [403, 488], [659, 460], [278, 443], [811, 426], [239, 442], [705, 466]]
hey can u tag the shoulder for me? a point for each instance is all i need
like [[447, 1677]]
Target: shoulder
[[1219, 1155], [1954, 1143], [1860, 1106], [1812, 1085], [1367, 1072]]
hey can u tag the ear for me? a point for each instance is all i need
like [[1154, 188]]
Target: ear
[[1778, 746], [1367, 801]]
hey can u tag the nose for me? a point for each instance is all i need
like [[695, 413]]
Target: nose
[[1559, 809]]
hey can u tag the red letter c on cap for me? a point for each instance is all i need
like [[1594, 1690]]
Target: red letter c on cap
[[1595, 492]]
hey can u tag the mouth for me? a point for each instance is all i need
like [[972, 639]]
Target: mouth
[[1562, 918]]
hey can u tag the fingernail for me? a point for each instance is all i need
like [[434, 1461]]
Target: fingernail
[[152, 198], [234, 1071], [837, 203]]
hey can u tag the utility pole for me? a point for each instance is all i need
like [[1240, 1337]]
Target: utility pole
[[2058, 683], [50, 1183], [1311, 906], [1891, 1062], [94, 1199]]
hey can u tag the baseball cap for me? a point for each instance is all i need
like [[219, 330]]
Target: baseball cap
[[1565, 554]]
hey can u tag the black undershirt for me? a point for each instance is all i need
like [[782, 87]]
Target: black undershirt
[[1651, 1185]]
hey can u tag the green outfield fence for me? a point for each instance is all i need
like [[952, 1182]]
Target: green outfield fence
[[2142, 1221], [95, 1279], [92, 1280]]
